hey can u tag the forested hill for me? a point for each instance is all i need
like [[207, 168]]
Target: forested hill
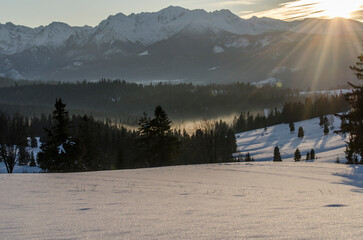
[[117, 98]]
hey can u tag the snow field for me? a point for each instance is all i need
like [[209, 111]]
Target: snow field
[[262, 200]]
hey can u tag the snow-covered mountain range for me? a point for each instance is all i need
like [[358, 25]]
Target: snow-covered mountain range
[[174, 43], [143, 28]]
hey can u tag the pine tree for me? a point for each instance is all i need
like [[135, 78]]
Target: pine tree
[[292, 126], [297, 155], [63, 124], [277, 156], [60, 152], [300, 133], [157, 143], [312, 154], [352, 122], [307, 156], [248, 158]]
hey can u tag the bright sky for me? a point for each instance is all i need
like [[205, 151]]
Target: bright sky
[[91, 12]]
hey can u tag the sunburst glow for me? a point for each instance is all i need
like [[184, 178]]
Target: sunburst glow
[[339, 8]]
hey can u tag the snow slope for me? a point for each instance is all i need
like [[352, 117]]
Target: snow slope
[[260, 143], [260, 200]]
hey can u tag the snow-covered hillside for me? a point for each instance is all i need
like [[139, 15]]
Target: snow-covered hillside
[[260, 143], [259, 200]]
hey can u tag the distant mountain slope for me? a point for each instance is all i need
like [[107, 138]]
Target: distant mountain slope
[[260, 143], [189, 45]]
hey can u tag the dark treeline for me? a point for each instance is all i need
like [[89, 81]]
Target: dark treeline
[[292, 112], [9, 82], [81, 143], [125, 100]]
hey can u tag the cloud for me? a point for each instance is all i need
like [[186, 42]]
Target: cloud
[[300, 9], [358, 15], [288, 11]]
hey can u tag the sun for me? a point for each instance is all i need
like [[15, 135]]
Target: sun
[[339, 8]]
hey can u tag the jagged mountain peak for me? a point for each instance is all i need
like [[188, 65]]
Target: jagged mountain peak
[[55, 25], [122, 36], [149, 28]]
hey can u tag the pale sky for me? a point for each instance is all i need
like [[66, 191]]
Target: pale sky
[[34, 13]]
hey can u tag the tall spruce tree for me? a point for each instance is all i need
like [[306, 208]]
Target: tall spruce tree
[[297, 155], [312, 154], [300, 133], [352, 122], [157, 143], [60, 152], [277, 156]]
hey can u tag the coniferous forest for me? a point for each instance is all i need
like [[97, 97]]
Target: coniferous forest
[[77, 134], [127, 101], [81, 143]]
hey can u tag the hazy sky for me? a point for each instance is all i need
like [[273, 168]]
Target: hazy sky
[[90, 12]]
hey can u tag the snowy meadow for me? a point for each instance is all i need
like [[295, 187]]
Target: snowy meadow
[[262, 200], [265, 200]]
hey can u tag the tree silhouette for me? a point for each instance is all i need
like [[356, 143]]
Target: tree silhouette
[[312, 154], [297, 155], [277, 156], [156, 140], [352, 122], [300, 133], [60, 152]]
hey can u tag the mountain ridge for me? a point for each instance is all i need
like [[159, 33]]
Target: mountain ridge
[[139, 46]]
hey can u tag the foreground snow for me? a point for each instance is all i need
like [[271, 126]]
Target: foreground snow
[[260, 143], [262, 200]]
